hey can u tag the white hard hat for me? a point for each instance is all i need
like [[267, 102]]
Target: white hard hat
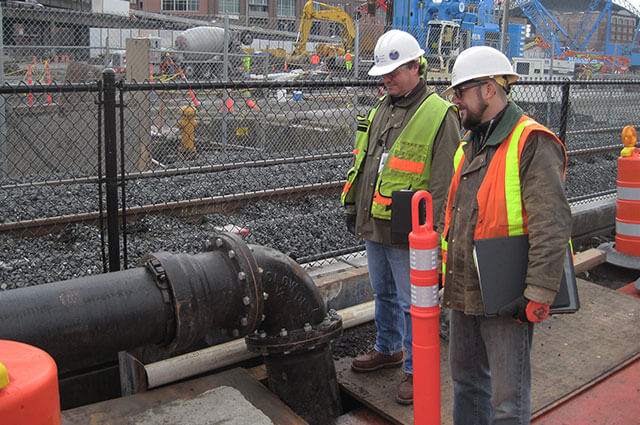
[[394, 48], [481, 62]]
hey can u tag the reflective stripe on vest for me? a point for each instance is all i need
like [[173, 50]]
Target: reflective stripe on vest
[[512, 192]]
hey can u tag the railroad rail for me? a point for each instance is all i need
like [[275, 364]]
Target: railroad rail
[[214, 204]]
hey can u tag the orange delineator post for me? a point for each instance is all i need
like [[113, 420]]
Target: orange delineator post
[[425, 313], [30, 83], [193, 96], [31, 395], [48, 76], [628, 205]]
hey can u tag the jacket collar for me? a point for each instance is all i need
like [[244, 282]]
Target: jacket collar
[[410, 98]]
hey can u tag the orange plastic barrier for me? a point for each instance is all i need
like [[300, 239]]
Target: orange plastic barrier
[[425, 314], [229, 105], [628, 205], [31, 397]]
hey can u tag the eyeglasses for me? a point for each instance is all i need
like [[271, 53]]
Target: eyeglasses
[[459, 91]]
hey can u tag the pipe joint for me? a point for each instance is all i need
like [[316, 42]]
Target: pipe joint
[[220, 287], [288, 341]]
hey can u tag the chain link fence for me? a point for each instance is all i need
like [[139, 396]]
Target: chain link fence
[[95, 171]]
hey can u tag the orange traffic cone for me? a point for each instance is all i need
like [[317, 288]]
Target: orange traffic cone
[[229, 104], [251, 104]]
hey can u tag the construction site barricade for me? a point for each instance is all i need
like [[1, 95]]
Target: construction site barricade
[[628, 205], [30, 396]]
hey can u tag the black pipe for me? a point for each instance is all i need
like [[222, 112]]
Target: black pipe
[[295, 337], [175, 300], [172, 302]]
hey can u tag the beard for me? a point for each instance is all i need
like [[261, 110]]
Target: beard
[[473, 119]]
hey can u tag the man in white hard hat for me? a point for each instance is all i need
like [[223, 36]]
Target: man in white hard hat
[[406, 142], [508, 182]]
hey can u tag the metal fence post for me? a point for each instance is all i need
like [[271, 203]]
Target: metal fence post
[[4, 158], [564, 112], [111, 167]]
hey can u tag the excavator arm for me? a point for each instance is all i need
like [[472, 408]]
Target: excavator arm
[[326, 13]]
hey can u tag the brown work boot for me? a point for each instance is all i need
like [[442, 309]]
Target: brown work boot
[[374, 360], [405, 390]]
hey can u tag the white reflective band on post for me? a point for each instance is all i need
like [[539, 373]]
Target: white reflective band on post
[[424, 296], [627, 229], [629, 193], [423, 259]]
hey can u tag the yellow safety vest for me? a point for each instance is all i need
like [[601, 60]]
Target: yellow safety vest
[[408, 165]]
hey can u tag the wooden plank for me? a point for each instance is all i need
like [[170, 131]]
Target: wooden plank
[[377, 390], [588, 259]]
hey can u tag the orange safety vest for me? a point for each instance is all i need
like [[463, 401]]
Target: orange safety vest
[[500, 208]]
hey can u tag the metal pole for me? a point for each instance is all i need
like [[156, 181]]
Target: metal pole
[[225, 77], [4, 159], [111, 167], [505, 26], [564, 114]]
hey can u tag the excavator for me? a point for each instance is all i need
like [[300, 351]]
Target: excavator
[[326, 12]]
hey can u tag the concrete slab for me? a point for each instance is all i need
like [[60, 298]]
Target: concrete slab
[[237, 410], [213, 399]]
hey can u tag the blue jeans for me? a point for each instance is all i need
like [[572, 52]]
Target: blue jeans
[[490, 368], [391, 284]]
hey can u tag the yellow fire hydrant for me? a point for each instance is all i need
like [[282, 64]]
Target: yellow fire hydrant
[[188, 124]]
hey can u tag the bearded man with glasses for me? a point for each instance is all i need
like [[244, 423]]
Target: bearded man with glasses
[[508, 183]]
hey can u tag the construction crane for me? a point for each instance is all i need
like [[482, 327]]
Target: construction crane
[[617, 58], [329, 13]]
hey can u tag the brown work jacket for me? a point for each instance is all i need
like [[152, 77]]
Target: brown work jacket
[[542, 167]]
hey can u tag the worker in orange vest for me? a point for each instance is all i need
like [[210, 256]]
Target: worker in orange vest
[[315, 61], [348, 62], [508, 183]]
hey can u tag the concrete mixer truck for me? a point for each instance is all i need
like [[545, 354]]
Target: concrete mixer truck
[[199, 51]]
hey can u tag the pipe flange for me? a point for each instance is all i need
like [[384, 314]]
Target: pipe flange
[[249, 278], [289, 341], [154, 266]]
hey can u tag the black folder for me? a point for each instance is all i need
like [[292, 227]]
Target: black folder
[[401, 215], [502, 269]]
